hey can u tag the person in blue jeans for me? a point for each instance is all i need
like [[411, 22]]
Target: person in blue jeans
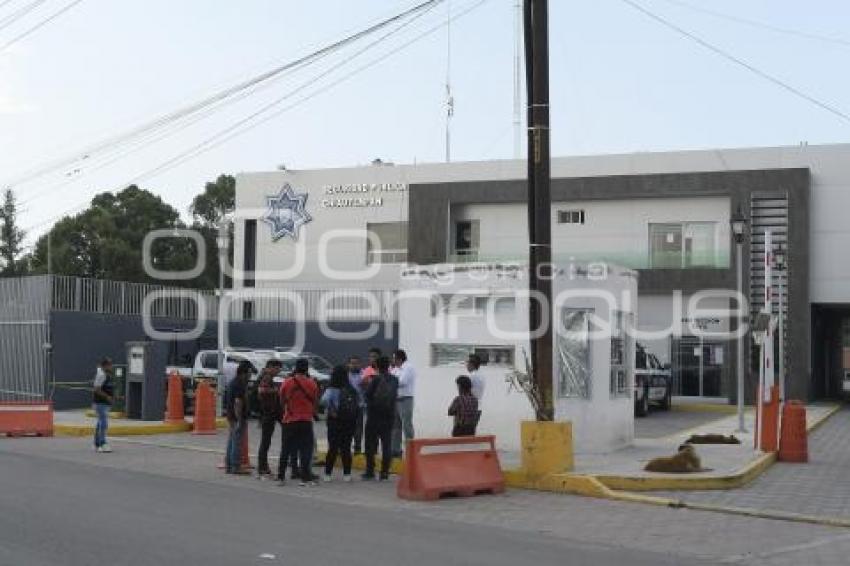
[[102, 397], [237, 413]]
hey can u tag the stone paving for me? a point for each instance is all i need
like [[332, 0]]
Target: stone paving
[[819, 488], [689, 536]]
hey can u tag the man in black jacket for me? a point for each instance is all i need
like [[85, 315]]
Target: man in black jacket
[[381, 396]]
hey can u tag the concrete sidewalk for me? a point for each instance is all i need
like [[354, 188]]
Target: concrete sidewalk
[[818, 490]]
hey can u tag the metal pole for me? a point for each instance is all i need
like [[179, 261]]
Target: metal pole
[[739, 364], [517, 80], [781, 339], [539, 202], [220, 385]]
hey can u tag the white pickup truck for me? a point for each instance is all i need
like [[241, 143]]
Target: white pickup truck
[[653, 382], [206, 368]]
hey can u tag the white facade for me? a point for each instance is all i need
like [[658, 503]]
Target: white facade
[[451, 311], [287, 260]]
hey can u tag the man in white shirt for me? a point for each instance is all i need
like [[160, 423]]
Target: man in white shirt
[[406, 375], [473, 364]]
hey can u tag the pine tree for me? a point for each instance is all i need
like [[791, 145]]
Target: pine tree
[[11, 238]]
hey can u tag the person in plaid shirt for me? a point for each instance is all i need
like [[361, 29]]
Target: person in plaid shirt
[[464, 408]]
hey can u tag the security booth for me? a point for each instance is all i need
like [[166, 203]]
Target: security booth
[[448, 312], [145, 381]]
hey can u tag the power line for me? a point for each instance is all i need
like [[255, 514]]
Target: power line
[[761, 25], [39, 25], [232, 131], [401, 26], [4, 2], [229, 133], [222, 96], [738, 61], [20, 13]]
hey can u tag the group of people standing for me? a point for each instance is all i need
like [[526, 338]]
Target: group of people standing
[[367, 407]]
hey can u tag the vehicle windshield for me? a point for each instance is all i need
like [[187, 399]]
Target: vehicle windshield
[[317, 364]]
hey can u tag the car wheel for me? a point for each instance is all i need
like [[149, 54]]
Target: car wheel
[[667, 402], [642, 406]]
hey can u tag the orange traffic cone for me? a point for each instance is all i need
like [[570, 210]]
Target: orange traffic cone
[[245, 450], [174, 408], [793, 443], [204, 410], [768, 425]]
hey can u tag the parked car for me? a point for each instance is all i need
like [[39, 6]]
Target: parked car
[[653, 382]]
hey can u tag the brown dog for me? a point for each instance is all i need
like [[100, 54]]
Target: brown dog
[[685, 461]]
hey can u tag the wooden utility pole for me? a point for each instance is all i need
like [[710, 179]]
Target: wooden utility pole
[[536, 21]]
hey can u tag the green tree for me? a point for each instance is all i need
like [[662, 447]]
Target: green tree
[[11, 238], [218, 199], [208, 208], [105, 241]]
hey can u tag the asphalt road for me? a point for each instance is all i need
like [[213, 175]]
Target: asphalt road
[[57, 512]]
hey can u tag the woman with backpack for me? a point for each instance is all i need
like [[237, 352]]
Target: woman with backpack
[[342, 405]]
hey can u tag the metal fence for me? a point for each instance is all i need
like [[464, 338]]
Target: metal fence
[[24, 338], [120, 297], [262, 304], [26, 304]]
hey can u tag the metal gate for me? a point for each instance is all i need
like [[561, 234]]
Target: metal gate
[[25, 339]]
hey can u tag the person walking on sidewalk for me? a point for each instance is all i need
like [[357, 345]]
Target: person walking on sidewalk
[[381, 399], [236, 408], [342, 404], [299, 397], [355, 379], [473, 365], [406, 374], [102, 398], [464, 408], [270, 412]]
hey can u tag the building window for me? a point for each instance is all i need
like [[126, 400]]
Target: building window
[[388, 244], [466, 240], [473, 305], [682, 245], [573, 353], [457, 354], [249, 261], [620, 356], [571, 217]]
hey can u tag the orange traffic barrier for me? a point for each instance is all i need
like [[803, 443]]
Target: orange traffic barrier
[[20, 418], [445, 467], [768, 425], [204, 410], [793, 442], [174, 406]]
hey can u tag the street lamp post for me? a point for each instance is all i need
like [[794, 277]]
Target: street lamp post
[[780, 262], [222, 241], [739, 228]]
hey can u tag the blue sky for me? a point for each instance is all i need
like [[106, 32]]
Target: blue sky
[[620, 83]]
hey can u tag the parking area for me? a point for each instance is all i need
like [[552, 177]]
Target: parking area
[[658, 424]]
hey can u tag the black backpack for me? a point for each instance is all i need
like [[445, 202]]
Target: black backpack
[[348, 405], [384, 395]]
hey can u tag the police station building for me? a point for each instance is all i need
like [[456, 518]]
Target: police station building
[[664, 215]]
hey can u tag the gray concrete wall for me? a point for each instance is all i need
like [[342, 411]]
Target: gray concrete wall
[[81, 340]]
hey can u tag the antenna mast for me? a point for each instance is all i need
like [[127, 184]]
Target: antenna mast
[[450, 101], [518, 47]]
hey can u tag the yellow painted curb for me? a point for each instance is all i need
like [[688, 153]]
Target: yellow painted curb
[[682, 483], [112, 414], [123, 430]]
